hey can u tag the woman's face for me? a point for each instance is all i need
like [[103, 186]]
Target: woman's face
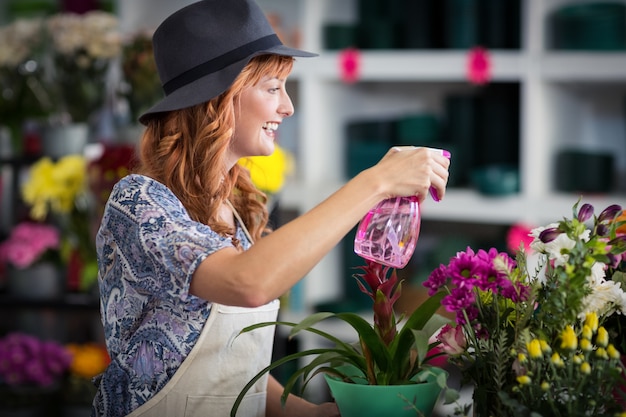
[[261, 110]]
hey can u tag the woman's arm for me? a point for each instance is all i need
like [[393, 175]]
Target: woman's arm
[[295, 406], [276, 262]]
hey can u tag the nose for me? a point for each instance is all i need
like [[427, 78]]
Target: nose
[[285, 107]]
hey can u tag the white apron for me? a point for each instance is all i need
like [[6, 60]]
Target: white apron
[[219, 366]]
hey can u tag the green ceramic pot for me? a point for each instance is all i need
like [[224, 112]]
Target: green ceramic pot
[[361, 400]]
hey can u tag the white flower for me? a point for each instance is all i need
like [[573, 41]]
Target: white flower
[[95, 33], [18, 40], [559, 248], [606, 298]]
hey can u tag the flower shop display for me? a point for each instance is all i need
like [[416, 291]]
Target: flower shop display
[[22, 92], [31, 371], [531, 333], [384, 355], [31, 253], [58, 192], [83, 48]]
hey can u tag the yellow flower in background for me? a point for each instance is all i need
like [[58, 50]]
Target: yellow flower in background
[[568, 339], [613, 352], [88, 360], [602, 338], [534, 349], [591, 320], [268, 173], [54, 187]]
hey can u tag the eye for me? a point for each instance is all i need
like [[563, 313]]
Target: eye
[[273, 90]]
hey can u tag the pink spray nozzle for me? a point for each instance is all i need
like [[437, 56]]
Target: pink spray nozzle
[[433, 191]]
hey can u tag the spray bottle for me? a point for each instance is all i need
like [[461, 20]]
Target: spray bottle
[[388, 232]]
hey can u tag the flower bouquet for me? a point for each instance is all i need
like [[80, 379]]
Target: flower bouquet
[[83, 48], [58, 191], [29, 243], [30, 370], [22, 91], [529, 332], [383, 355]]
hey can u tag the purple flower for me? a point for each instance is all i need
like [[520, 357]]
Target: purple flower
[[549, 234], [609, 213], [585, 212], [26, 360]]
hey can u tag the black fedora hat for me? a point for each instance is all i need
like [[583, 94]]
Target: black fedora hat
[[201, 49]]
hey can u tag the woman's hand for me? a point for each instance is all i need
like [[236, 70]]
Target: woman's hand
[[407, 170]]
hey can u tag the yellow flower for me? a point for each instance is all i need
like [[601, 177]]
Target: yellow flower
[[602, 338], [586, 345], [268, 172], [556, 360], [587, 333], [545, 386], [568, 339], [524, 380], [613, 353], [585, 368], [534, 349], [591, 320], [601, 353], [521, 358], [545, 347], [54, 187], [578, 359]]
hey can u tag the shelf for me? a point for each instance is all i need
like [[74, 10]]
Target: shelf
[[466, 205], [583, 66], [412, 65], [70, 301]]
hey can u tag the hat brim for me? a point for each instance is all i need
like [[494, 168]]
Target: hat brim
[[212, 85]]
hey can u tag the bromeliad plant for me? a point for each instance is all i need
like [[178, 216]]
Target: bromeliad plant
[[529, 333], [384, 354]]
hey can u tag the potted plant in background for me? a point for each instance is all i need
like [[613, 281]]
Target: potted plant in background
[[58, 192], [32, 254], [529, 333], [82, 49], [31, 372], [393, 365], [140, 86], [22, 91]]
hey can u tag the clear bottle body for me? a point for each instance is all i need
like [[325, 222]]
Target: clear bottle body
[[388, 233]]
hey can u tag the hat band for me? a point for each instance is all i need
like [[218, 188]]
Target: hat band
[[220, 62]]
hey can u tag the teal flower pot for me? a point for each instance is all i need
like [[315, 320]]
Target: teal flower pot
[[362, 400]]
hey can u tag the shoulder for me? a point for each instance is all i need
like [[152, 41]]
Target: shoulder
[[135, 193]]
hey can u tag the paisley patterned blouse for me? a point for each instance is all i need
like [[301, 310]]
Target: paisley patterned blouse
[[148, 248]]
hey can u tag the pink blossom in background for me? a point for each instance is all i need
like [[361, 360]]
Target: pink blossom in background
[[479, 66], [350, 65], [27, 242], [519, 234]]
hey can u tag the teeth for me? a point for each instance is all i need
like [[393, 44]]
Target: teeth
[[270, 126]]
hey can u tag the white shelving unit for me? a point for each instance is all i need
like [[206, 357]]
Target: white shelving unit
[[567, 98]]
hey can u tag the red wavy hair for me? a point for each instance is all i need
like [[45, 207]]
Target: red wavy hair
[[185, 150]]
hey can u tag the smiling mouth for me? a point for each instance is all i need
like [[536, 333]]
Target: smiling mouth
[[270, 127]]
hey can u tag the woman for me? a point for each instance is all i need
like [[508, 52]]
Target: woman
[[185, 257]]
